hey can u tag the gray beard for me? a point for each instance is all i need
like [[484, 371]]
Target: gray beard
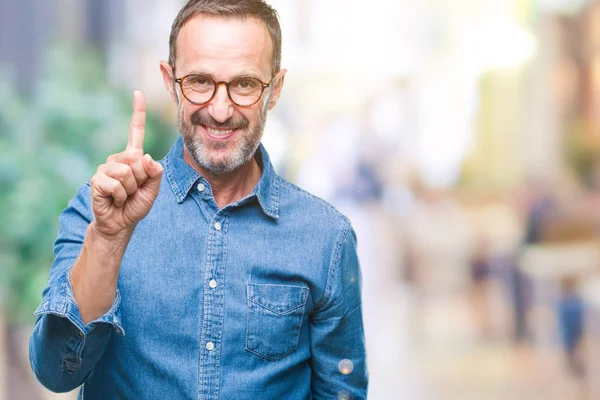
[[200, 150]]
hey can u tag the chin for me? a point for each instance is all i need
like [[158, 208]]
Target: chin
[[220, 169], [220, 164]]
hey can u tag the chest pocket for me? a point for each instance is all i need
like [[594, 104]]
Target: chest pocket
[[274, 319]]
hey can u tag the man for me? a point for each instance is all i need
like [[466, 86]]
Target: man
[[204, 275]]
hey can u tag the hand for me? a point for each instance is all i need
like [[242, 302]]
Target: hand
[[124, 189]]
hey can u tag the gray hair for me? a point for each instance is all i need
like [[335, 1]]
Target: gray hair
[[229, 9]]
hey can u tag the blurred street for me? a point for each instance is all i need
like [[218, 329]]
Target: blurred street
[[435, 347]]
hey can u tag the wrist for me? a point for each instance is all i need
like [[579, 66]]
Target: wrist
[[114, 243]]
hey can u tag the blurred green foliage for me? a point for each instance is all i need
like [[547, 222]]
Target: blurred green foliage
[[50, 144]]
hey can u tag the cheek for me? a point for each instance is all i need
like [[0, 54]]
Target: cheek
[[186, 112], [251, 114], [261, 110]]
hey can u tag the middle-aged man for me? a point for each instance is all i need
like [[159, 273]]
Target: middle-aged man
[[204, 275]]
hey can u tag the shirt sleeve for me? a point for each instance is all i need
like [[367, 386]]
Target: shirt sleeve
[[339, 369], [62, 350]]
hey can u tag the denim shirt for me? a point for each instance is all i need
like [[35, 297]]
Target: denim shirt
[[257, 300]]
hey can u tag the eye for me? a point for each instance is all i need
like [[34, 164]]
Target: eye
[[245, 84], [198, 82]]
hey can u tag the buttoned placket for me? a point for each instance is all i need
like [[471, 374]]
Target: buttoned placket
[[212, 287]]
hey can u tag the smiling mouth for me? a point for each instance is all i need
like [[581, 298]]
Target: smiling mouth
[[219, 134]]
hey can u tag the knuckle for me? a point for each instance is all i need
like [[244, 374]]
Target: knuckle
[[137, 121], [133, 155], [97, 178], [120, 169], [124, 156], [139, 172], [112, 185], [126, 173]]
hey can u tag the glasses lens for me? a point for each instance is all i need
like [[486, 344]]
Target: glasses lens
[[198, 88], [245, 91]]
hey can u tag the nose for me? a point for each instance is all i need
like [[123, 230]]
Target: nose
[[221, 107]]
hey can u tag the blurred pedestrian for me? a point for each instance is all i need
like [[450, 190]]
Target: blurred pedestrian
[[571, 323]]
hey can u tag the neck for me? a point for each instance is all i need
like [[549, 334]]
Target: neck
[[232, 186]]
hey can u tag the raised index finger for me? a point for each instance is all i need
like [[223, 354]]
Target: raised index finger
[[138, 122]]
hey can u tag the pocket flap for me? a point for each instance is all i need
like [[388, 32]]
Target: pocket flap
[[280, 299]]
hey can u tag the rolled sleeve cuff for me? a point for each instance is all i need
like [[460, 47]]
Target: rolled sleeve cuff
[[59, 300]]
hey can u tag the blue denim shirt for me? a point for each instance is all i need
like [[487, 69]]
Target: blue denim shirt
[[257, 300]]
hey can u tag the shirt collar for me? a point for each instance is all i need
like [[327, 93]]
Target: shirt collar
[[182, 177]]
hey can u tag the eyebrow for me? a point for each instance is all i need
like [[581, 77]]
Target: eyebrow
[[243, 75]]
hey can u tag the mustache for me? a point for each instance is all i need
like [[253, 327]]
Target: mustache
[[201, 117]]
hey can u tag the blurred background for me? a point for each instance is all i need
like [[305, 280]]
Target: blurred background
[[461, 137]]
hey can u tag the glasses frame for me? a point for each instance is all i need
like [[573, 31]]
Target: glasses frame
[[219, 83]]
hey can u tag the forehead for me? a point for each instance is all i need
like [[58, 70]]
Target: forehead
[[224, 46]]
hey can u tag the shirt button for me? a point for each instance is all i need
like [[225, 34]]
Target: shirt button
[[218, 226], [212, 284], [201, 187], [210, 346]]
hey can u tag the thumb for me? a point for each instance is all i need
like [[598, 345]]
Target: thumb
[[154, 170]]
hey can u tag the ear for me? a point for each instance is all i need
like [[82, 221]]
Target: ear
[[167, 75], [279, 78]]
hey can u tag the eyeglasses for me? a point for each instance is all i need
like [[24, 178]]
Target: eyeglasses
[[200, 89]]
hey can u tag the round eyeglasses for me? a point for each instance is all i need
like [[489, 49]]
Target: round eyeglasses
[[243, 91]]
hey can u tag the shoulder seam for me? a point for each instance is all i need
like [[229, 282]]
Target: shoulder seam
[[311, 196]]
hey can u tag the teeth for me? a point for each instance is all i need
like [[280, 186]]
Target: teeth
[[219, 132]]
